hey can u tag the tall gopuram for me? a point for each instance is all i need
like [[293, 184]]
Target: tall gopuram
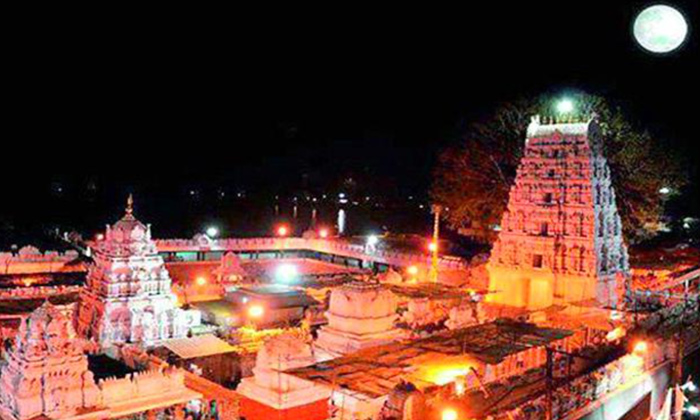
[[128, 297], [561, 235], [45, 373]]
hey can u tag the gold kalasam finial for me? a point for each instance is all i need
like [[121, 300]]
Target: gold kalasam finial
[[130, 205]]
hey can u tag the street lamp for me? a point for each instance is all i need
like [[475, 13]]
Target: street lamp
[[201, 281], [212, 231], [282, 230], [323, 233], [565, 106], [641, 347]]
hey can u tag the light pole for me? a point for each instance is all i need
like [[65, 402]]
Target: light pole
[[433, 275]]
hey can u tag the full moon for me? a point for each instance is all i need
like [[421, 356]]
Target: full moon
[[660, 29]]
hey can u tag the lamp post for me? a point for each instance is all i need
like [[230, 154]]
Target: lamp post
[[433, 275]]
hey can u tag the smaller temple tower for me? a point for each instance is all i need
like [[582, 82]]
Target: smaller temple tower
[[273, 394], [128, 296], [561, 235], [360, 315], [46, 372]]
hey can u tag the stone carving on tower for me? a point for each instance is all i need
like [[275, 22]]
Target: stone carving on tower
[[128, 296], [561, 235], [45, 373]]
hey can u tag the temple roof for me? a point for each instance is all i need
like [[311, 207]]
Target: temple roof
[[375, 371], [128, 223]]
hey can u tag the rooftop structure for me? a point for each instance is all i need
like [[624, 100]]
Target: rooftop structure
[[561, 235], [271, 393], [360, 315], [363, 379]]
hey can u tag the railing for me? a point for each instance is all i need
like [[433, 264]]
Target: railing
[[328, 246]]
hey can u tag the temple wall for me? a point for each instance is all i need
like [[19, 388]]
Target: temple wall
[[253, 410], [139, 385]]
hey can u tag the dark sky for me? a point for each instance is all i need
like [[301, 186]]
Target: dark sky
[[258, 98]]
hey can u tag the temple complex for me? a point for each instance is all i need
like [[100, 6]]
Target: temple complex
[[46, 374], [127, 296], [270, 393], [360, 315], [561, 235]]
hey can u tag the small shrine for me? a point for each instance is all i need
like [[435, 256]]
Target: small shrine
[[273, 394], [360, 315], [46, 372]]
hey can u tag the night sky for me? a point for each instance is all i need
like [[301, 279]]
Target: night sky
[[276, 101]]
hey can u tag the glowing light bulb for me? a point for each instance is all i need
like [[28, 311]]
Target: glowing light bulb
[[256, 311], [565, 106], [449, 414]]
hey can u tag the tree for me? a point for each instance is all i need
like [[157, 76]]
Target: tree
[[473, 178]]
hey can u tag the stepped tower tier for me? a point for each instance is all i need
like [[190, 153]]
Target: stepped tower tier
[[128, 296], [561, 235]]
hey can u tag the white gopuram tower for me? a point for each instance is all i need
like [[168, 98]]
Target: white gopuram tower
[[561, 235], [127, 298]]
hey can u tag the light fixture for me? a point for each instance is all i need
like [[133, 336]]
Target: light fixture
[[212, 231], [256, 311], [565, 106], [286, 273]]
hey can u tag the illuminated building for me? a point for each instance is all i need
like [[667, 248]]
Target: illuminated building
[[128, 297], [561, 235], [360, 315]]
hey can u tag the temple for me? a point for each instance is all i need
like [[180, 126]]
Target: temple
[[561, 237], [360, 315], [271, 393], [128, 297], [46, 372]]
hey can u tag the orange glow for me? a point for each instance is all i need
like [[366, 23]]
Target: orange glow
[[323, 233], [256, 311], [432, 247], [616, 334], [459, 386], [28, 281], [445, 373], [412, 270], [282, 230], [449, 414], [201, 281], [640, 347]]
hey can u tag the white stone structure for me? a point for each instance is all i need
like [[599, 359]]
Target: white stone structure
[[128, 295], [561, 235], [46, 372], [360, 315], [271, 387]]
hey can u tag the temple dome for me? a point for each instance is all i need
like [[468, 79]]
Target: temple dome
[[129, 228]]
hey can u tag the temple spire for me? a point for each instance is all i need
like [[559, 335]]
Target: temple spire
[[130, 205]]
